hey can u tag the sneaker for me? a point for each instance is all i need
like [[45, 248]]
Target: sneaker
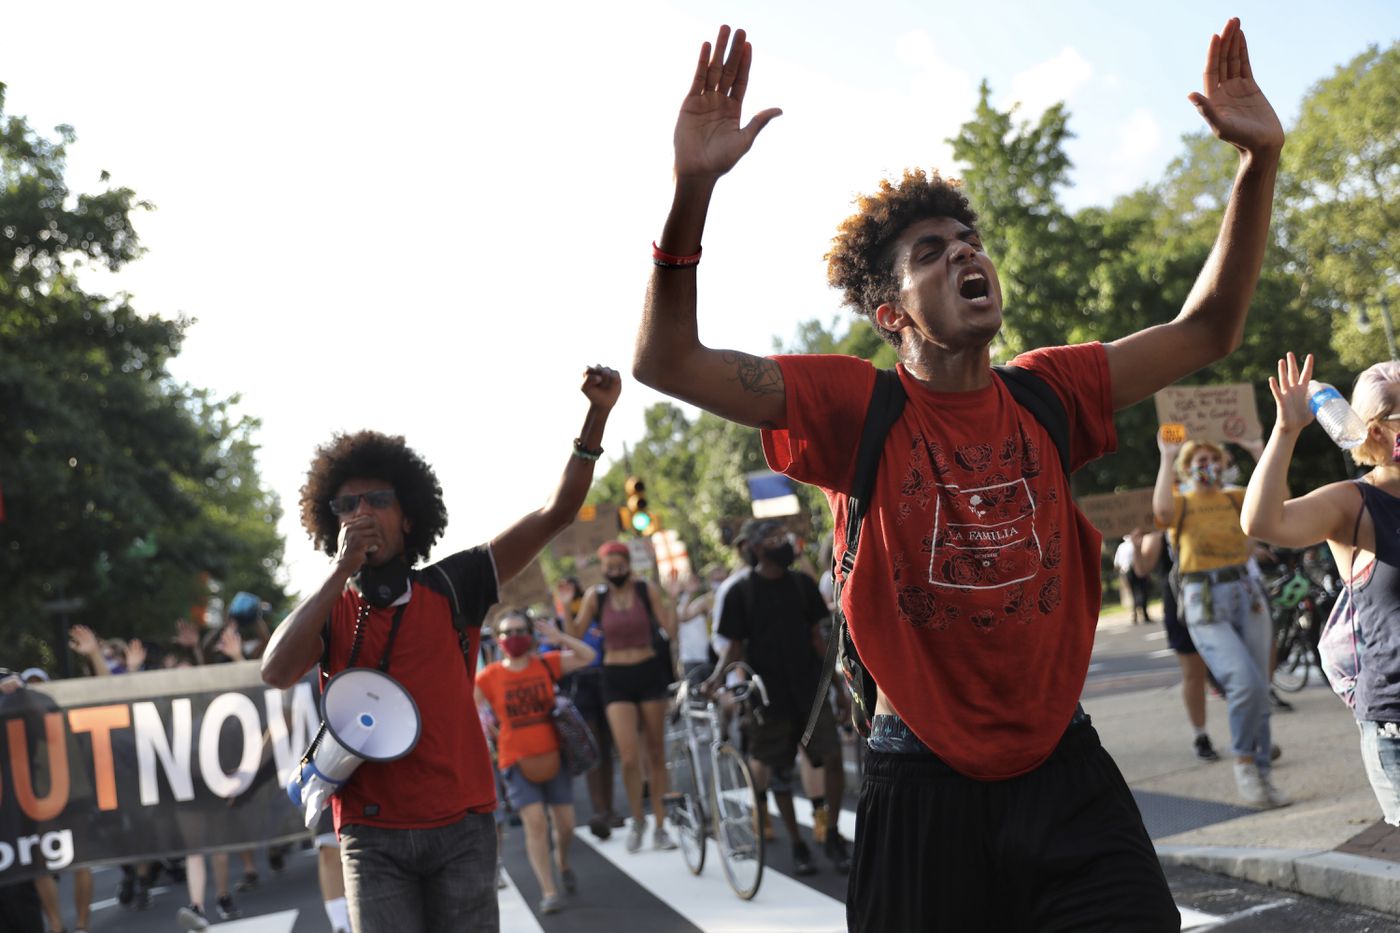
[[227, 910], [191, 918], [551, 904], [142, 900], [1278, 702], [569, 880], [802, 859], [662, 839], [1275, 753], [616, 820], [598, 826], [635, 833], [501, 877], [248, 882], [277, 858], [1204, 750], [819, 819], [1251, 785], [835, 848], [1277, 798], [126, 891]]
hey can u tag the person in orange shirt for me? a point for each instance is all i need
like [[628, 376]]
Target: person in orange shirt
[[519, 689]]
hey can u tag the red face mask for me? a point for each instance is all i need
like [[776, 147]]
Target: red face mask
[[516, 645]]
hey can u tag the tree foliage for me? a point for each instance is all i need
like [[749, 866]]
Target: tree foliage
[[121, 487]]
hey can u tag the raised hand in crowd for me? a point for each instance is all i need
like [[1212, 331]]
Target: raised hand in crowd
[[230, 644], [135, 655], [83, 641], [187, 637]]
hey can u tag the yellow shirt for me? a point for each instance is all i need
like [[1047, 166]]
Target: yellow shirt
[[1211, 537]]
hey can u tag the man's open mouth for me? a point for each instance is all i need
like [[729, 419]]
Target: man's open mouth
[[973, 286]]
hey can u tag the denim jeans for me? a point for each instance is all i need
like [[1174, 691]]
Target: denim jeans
[[1380, 752], [421, 880], [1232, 633]]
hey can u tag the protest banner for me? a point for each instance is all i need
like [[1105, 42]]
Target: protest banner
[[148, 765], [1115, 514], [1219, 413]]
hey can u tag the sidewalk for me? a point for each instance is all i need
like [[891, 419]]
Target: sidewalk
[[1328, 843]]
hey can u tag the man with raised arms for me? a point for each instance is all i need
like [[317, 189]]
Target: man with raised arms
[[988, 802]]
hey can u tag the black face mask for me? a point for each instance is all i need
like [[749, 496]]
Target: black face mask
[[783, 555], [619, 579], [381, 586]]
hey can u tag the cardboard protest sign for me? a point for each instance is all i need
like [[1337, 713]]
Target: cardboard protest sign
[[1115, 514], [1220, 413]]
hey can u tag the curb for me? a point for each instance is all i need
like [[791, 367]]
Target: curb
[[1351, 879]]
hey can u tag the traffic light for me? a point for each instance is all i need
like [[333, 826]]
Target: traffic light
[[638, 511]]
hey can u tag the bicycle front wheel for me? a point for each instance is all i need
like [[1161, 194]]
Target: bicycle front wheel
[[683, 805], [1294, 656], [738, 832]]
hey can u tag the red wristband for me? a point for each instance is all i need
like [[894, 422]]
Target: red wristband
[[668, 261]]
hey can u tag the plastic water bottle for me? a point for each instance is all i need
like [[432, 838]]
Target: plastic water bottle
[[1337, 418]]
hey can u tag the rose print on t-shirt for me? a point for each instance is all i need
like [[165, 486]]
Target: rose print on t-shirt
[[974, 457]]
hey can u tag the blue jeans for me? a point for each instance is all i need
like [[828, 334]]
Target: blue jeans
[[1232, 635], [421, 880], [1380, 752]]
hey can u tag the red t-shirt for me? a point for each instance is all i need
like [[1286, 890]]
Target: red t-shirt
[[523, 701], [448, 774], [975, 593]]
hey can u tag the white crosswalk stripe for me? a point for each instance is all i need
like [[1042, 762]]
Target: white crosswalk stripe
[[708, 902]]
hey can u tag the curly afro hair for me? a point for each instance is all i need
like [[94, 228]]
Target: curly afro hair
[[371, 455], [861, 261]]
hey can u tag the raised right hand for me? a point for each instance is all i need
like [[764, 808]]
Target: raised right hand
[[1290, 391], [708, 138], [359, 537], [82, 640]]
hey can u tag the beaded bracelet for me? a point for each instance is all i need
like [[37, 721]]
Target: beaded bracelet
[[584, 453]]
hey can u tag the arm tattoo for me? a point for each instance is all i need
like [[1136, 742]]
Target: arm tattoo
[[756, 374]]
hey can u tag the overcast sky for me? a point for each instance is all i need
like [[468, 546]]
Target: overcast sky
[[426, 219]]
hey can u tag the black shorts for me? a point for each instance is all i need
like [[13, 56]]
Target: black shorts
[[1177, 636], [636, 683], [774, 743], [585, 687], [1060, 848]]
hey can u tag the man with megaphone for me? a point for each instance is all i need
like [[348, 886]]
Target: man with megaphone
[[418, 841]]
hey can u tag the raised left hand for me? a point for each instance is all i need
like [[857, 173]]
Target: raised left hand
[[602, 386], [1231, 103]]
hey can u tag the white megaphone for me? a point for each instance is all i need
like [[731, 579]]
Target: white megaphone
[[368, 716]]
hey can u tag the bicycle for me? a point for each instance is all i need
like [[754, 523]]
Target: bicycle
[[719, 802], [1299, 606]]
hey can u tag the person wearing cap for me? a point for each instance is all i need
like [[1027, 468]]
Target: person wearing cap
[[639, 631], [772, 619]]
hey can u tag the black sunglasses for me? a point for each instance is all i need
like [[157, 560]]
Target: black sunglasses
[[377, 498]]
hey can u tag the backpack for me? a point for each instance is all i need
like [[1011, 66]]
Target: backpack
[[886, 406]]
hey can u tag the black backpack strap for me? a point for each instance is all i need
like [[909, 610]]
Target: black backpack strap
[[886, 406], [1036, 396], [436, 578]]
